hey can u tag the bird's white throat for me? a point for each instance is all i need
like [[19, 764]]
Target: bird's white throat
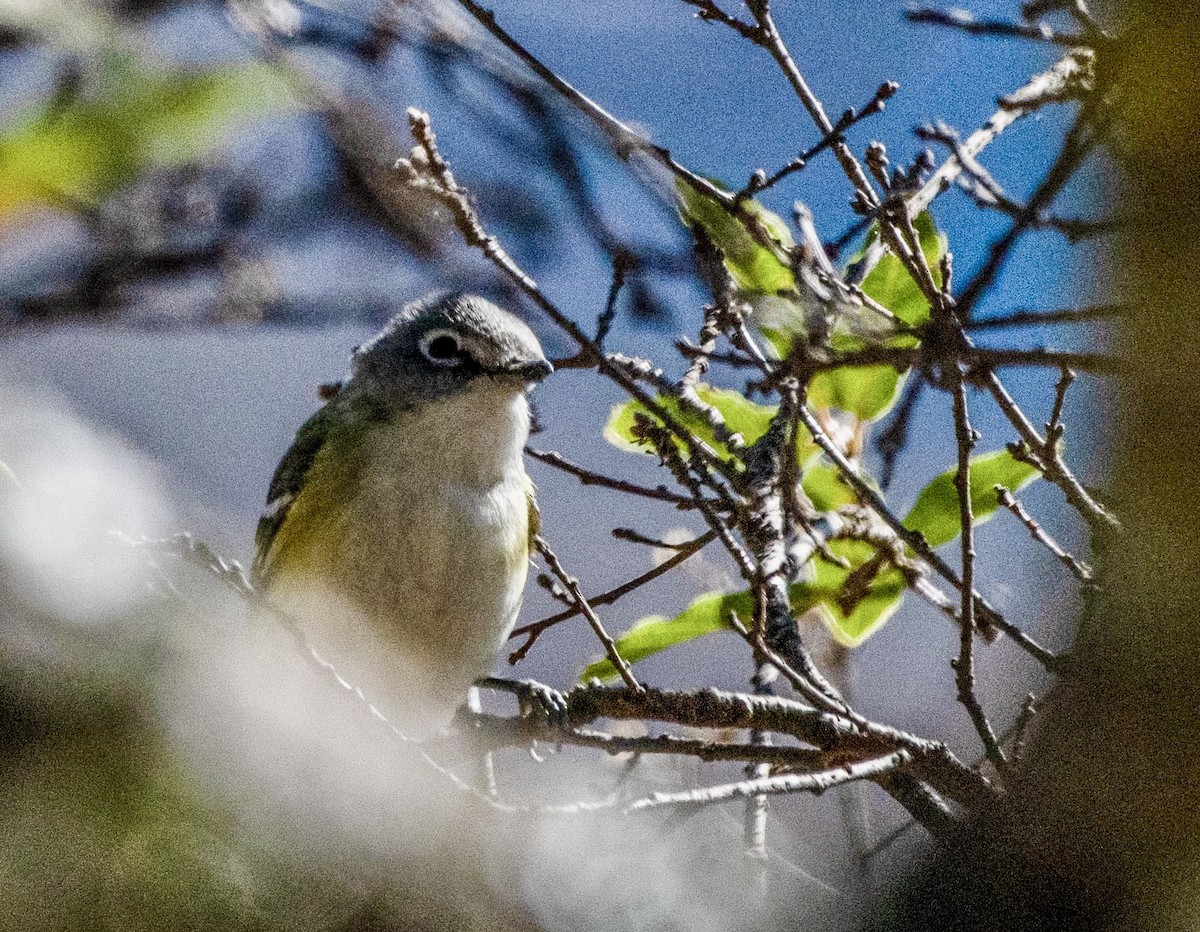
[[473, 438]]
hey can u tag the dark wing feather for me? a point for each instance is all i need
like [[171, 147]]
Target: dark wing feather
[[535, 515], [287, 483]]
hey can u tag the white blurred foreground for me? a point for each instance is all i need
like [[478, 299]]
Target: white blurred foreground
[[173, 759]]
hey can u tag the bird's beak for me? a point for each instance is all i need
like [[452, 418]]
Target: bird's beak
[[533, 371]]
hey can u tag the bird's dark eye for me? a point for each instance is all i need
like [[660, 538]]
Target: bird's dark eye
[[442, 347]]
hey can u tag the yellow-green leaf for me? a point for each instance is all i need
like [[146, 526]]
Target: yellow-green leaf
[[890, 284], [826, 489], [854, 602], [707, 614], [868, 392], [936, 513], [742, 416], [755, 267]]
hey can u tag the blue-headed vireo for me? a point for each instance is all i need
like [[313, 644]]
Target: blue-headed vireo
[[401, 517]]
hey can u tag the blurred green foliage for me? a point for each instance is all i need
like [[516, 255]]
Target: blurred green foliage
[[101, 828], [119, 116]]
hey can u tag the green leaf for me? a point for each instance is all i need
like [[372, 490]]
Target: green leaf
[[890, 284], [132, 117], [854, 602], [826, 489], [198, 111], [868, 392], [707, 614], [753, 266], [741, 415], [936, 512]]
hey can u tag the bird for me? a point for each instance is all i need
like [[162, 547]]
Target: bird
[[400, 521]]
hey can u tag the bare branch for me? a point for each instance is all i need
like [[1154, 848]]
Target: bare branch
[[770, 39], [918, 543], [588, 477], [965, 22], [761, 181], [1081, 570], [1079, 141], [1052, 84], [986, 191], [764, 528], [709, 12], [534, 630], [1051, 463], [624, 140], [964, 667], [581, 604], [815, 783], [1035, 318], [1054, 427]]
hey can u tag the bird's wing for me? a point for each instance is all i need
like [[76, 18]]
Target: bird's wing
[[535, 516], [287, 483]]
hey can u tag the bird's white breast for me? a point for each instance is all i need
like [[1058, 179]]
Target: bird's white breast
[[434, 553]]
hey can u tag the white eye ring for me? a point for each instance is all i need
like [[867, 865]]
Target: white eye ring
[[441, 347]]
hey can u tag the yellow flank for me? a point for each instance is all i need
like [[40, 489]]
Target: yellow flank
[[429, 541]]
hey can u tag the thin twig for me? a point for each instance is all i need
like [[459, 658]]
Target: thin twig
[[581, 603], [1035, 318], [1051, 463], [620, 268], [965, 22], [815, 783], [987, 192], [770, 39], [708, 11], [964, 667], [917, 542], [663, 444], [1051, 84], [1075, 147], [1081, 570], [1054, 426], [637, 537], [534, 630], [894, 437], [624, 140], [761, 181], [588, 477], [971, 357]]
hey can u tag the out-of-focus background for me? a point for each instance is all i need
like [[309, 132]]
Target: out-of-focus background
[[192, 240]]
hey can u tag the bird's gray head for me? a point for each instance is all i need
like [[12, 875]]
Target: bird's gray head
[[439, 345]]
